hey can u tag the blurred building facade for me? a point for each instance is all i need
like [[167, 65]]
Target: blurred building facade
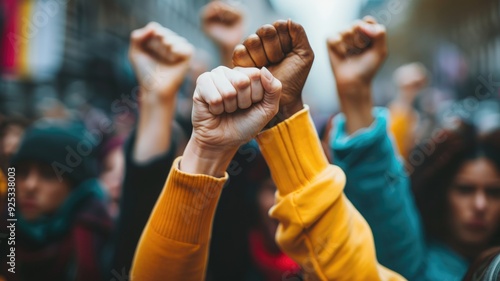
[[458, 41], [55, 49]]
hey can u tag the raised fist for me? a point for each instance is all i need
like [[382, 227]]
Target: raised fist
[[160, 59], [357, 53], [230, 106], [355, 56], [223, 23], [284, 49]]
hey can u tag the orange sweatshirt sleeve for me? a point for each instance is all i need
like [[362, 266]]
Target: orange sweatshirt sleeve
[[319, 228], [402, 126], [174, 244]]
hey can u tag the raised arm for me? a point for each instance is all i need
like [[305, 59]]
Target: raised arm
[[376, 182], [230, 107], [160, 59], [223, 23], [319, 228]]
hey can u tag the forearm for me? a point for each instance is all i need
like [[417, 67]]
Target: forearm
[[319, 228], [175, 242], [154, 129], [367, 154], [356, 104]]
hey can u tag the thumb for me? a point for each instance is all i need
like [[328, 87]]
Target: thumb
[[336, 49], [272, 89]]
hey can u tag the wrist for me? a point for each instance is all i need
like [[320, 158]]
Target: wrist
[[153, 96], [199, 158], [154, 107], [286, 112], [353, 89], [226, 49], [155, 89], [226, 56]]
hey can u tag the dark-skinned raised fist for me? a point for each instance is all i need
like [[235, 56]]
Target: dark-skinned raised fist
[[284, 49]]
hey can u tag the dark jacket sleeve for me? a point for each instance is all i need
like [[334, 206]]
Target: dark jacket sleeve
[[141, 187]]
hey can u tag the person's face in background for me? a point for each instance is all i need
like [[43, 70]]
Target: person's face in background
[[474, 199], [112, 173], [11, 139], [39, 191]]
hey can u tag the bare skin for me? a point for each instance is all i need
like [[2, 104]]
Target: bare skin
[[39, 191], [356, 55], [284, 49], [230, 107], [223, 23], [161, 60], [474, 207]]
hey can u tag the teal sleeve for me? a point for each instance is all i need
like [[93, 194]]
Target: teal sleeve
[[379, 188]]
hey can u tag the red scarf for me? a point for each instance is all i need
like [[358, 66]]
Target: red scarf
[[274, 266]]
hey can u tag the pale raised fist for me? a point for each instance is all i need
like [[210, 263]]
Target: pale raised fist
[[160, 59], [357, 53], [230, 106], [223, 23], [284, 49], [410, 79]]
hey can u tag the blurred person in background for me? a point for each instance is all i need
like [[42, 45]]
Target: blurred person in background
[[379, 186], [410, 79], [62, 224], [362, 146], [457, 190], [112, 169], [160, 59]]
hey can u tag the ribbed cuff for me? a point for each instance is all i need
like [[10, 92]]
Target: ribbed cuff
[[186, 207], [293, 151], [362, 138]]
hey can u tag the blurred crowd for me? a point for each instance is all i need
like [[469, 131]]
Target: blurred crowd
[[424, 173]]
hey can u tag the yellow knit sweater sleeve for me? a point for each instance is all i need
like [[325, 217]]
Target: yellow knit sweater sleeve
[[319, 228], [174, 244]]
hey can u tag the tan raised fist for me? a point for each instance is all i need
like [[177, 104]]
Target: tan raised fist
[[223, 23], [357, 53], [284, 49], [160, 59]]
